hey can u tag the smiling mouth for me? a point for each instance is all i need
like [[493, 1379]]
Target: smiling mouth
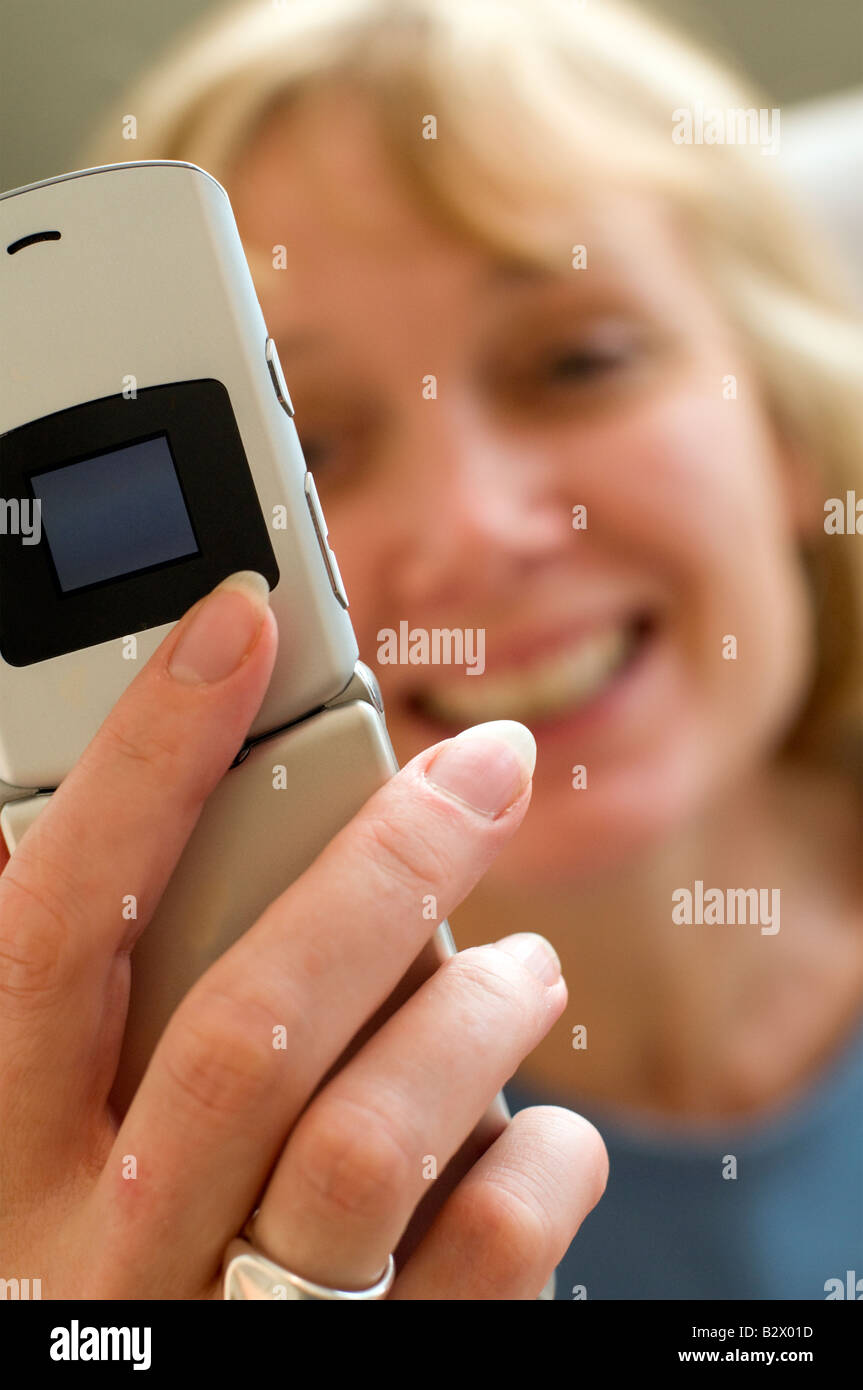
[[547, 688]]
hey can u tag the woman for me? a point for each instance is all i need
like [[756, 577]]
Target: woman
[[570, 382]]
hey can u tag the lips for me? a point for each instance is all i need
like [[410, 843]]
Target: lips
[[558, 680]]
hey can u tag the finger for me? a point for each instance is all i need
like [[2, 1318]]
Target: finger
[[511, 1220], [218, 1099], [4, 855], [368, 1146], [116, 827]]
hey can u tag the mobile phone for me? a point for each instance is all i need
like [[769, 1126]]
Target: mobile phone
[[147, 436]]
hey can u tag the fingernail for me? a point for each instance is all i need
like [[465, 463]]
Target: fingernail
[[537, 954], [486, 767], [223, 631]]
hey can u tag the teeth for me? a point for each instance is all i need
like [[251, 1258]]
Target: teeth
[[562, 682]]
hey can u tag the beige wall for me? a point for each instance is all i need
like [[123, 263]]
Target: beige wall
[[62, 60], [797, 49]]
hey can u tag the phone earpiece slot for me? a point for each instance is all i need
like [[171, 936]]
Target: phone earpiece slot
[[31, 241]]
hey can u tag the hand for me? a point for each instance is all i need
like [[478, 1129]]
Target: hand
[[144, 1207]]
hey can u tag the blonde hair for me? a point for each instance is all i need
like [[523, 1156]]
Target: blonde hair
[[527, 94]]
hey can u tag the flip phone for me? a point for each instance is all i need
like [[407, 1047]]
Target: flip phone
[[146, 427]]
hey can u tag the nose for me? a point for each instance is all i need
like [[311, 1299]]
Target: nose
[[475, 505]]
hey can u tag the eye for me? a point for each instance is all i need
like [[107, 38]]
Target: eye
[[608, 347], [580, 364], [321, 451], [316, 450], [337, 439]]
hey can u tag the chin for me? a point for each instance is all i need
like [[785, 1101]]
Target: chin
[[570, 837]]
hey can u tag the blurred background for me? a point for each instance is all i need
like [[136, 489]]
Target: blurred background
[[63, 61]]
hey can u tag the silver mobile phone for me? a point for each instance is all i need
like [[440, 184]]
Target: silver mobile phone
[[148, 434]]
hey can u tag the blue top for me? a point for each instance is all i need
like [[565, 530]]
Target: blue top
[[670, 1226]]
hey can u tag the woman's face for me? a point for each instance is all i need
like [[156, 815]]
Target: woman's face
[[607, 388]]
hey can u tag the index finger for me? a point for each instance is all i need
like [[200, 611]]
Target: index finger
[[116, 827]]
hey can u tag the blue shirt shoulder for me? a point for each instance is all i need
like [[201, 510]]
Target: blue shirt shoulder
[[767, 1209]]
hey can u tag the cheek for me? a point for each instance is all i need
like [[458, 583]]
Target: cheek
[[685, 479], [689, 487]]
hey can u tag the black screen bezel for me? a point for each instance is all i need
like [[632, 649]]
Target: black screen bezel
[[38, 620]]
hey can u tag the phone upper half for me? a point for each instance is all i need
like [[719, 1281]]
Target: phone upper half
[[147, 449]]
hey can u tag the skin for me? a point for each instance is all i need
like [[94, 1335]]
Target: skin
[[457, 512], [215, 1126]]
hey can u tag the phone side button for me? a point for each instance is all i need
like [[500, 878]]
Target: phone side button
[[335, 577], [277, 377], [320, 526]]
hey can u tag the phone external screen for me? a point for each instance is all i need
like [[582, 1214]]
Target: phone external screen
[[114, 514]]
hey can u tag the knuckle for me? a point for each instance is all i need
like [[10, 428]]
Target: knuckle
[[402, 854], [33, 946], [502, 1235], [218, 1053], [485, 970], [350, 1159], [140, 744]]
